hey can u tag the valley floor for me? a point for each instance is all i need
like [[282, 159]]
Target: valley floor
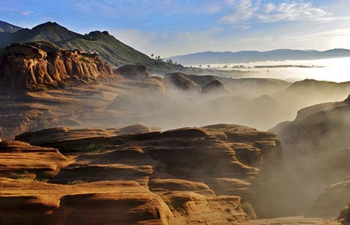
[[294, 220]]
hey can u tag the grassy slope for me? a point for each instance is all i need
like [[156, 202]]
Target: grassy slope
[[110, 49]]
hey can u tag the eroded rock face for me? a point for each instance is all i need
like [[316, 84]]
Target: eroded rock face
[[137, 175], [91, 203], [24, 67], [21, 160]]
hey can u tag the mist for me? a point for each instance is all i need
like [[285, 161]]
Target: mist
[[229, 131], [335, 70], [259, 103], [178, 100]]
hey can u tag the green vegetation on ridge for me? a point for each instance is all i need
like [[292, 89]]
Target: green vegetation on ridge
[[108, 47]]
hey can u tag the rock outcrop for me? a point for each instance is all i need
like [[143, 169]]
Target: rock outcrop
[[20, 160], [114, 102], [181, 82], [344, 215], [91, 203], [213, 169], [214, 87], [25, 67], [133, 72]]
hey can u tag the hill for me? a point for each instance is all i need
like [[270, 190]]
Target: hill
[[51, 32], [8, 28], [255, 56], [106, 45]]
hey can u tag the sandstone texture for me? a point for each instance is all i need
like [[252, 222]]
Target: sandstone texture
[[21, 160], [135, 175], [102, 104], [25, 67]]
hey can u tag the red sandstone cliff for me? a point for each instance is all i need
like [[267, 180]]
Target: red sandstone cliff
[[25, 67]]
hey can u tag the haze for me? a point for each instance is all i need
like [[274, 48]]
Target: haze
[[336, 70]]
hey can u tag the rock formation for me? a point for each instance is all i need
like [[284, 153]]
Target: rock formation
[[180, 81], [214, 87], [133, 72], [20, 160], [137, 175], [344, 216], [25, 67]]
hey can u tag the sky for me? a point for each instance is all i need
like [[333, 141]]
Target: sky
[[175, 27]]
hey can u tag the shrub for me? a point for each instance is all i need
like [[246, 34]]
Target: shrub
[[85, 59], [347, 218], [94, 147], [39, 87], [76, 182], [66, 84]]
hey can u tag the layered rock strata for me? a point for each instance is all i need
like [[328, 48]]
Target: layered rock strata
[[25, 67], [141, 175]]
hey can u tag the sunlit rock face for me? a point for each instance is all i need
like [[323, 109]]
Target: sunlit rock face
[[139, 174], [20, 160], [25, 67], [204, 155], [36, 90]]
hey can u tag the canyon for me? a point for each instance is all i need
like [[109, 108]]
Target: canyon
[[84, 142]]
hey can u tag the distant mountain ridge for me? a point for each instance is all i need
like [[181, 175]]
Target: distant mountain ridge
[[108, 47], [255, 56], [8, 28], [50, 31]]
